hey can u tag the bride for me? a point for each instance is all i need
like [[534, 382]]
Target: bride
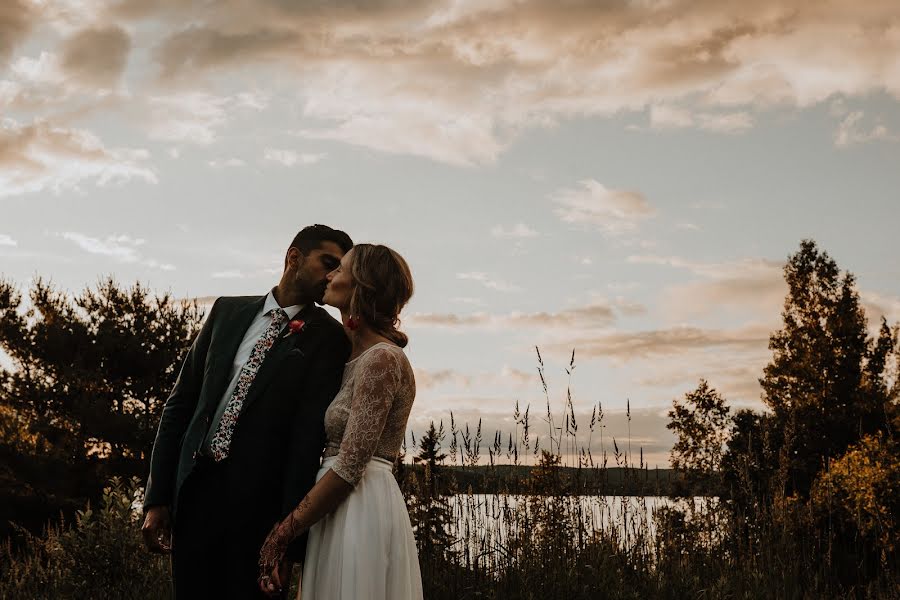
[[361, 544]]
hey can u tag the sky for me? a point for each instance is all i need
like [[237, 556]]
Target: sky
[[624, 179]]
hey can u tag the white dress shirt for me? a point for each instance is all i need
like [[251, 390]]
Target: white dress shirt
[[257, 327]]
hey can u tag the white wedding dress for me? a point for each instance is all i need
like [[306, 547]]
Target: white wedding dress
[[365, 549]]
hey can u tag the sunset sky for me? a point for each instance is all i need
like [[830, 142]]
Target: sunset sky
[[625, 178]]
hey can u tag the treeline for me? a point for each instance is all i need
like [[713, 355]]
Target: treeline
[[518, 479]]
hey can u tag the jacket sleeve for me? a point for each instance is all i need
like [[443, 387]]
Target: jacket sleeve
[[176, 415], [307, 443]]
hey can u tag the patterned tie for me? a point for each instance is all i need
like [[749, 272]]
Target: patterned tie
[[221, 441]]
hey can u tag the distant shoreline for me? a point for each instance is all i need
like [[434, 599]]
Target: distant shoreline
[[516, 479]]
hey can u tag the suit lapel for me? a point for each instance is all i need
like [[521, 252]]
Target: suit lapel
[[283, 346]]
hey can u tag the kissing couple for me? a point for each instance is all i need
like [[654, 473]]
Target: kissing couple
[[277, 442]]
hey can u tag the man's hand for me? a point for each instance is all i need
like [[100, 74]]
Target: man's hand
[[157, 530]]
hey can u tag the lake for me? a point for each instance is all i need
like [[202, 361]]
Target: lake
[[488, 520]]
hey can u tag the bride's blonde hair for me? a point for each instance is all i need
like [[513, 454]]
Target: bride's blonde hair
[[382, 285]]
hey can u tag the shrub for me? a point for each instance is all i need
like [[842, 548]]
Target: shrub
[[99, 556]]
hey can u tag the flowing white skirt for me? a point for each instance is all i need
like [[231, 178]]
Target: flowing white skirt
[[364, 550]]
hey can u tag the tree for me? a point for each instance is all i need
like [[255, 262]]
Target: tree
[[89, 378], [430, 455], [700, 424], [862, 488], [748, 464], [430, 512], [825, 382]]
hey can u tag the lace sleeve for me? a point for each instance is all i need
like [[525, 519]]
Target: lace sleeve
[[376, 385]]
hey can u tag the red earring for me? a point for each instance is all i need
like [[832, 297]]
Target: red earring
[[352, 323]]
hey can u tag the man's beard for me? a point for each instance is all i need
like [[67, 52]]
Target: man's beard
[[310, 292], [315, 293]]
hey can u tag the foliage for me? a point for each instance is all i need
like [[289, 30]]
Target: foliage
[[861, 492], [825, 384], [82, 402], [817, 475], [100, 556], [428, 507], [700, 423]]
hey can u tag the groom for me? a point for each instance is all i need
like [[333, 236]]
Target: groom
[[242, 432]]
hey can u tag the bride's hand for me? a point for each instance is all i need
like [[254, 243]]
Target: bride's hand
[[274, 570], [276, 580]]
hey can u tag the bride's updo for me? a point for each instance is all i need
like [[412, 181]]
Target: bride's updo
[[382, 286]]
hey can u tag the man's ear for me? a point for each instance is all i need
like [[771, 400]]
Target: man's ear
[[294, 259]]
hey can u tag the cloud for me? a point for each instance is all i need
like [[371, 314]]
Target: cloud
[[726, 123], [629, 308], [289, 158], [879, 305], [735, 375], [517, 231], [488, 282], [97, 56], [197, 117], [850, 132], [591, 316], [434, 129], [629, 345], [231, 274], [612, 211], [6, 240], [754, 283], [39, 156], [507, 377], [458, 82], [222, 163], [121, 248], [671, 117], [17, 17], [34, 83], [664, 117], [204, 303], [467, 300]]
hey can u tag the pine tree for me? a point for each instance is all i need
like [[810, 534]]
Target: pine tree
[[430, 512], [430, 455], [89, 378]]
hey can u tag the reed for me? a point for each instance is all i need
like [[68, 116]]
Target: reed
[[554, 534]]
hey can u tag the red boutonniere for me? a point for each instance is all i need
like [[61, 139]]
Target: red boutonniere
[[295, 326]]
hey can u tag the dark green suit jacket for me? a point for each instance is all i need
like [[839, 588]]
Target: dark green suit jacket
[[280, 434]]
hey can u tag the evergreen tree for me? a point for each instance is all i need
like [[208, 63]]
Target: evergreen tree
[[430, 455], [82, 400], [430, 512], [824, 383]]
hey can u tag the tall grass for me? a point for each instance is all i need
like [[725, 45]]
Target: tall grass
[[549, 536], [547, 542]]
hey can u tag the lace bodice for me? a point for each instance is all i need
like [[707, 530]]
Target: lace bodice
[[368, 416]]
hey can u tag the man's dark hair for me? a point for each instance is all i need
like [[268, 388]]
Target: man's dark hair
[[311, 238]]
